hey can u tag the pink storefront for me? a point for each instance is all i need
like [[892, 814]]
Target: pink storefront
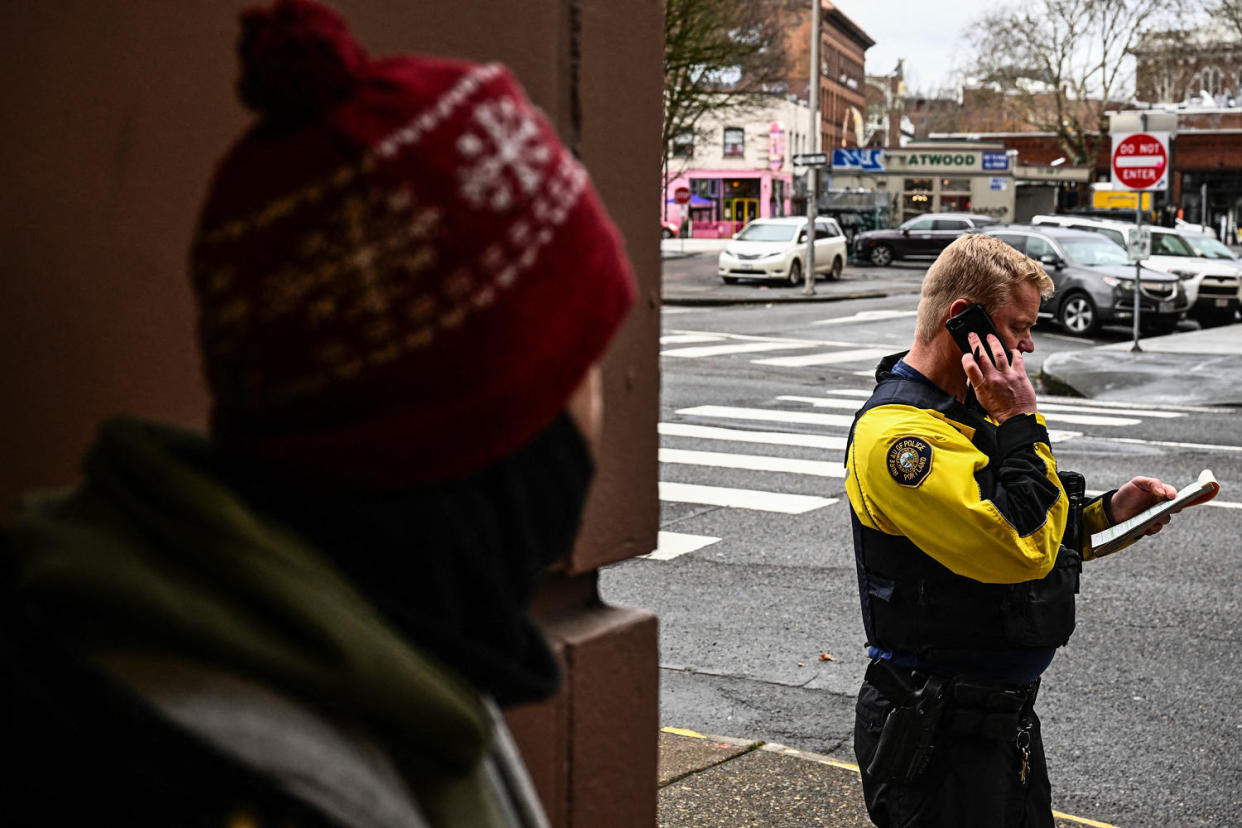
[[722, 201]]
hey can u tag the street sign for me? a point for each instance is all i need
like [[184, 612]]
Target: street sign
[[1138, 245], [811, 159], [1141, 160], [682, 195]]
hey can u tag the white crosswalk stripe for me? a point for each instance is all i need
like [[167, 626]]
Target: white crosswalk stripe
[[752, 462], [689, 338], [675, 544], [774, 438], [790, 504], [735, 348], [770, 415], [868, 316], [826, 358]]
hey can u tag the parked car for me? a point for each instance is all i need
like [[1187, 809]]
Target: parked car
[[924, 235], [1212, 285], [1094, 280], [1210, 248], [775, 248], [669, 229]]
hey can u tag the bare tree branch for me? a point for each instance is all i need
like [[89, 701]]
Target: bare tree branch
[[1060, 65]]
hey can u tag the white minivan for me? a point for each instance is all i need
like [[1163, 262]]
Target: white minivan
[[775, 248], [1213, 286]]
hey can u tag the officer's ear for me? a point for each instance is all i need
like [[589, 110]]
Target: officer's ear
[[958, 306]]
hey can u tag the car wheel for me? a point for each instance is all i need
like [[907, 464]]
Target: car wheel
[[835, 273], [729, 280], [881, 255], [795, 273], [1078, 315], [665, 233]]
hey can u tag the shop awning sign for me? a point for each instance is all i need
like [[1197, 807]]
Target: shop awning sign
[[854, 158]]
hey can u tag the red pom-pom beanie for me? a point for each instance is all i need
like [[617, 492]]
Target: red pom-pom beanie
[[401, 272]]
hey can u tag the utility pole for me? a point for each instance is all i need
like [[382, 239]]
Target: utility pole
[[1138, 264], [812, 173]]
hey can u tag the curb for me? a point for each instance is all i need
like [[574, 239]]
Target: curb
[[704, 301]]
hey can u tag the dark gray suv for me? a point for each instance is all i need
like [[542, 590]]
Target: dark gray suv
[[1094, 280]]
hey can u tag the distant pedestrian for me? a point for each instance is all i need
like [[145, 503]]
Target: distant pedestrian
[[969, 544], [404, 284]]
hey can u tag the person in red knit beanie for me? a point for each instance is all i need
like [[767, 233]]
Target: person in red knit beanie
[[404, 285]]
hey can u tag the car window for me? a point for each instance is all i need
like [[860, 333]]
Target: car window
[[1014, 240], [1094, 252], [983, 221], [767, 232], [1212, 249], [1169, 244], [826, 231], [951, 224], [1115, 236], [1036, 247], [920, 226]]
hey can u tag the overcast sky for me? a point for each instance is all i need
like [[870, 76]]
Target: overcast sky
[[929, 35]]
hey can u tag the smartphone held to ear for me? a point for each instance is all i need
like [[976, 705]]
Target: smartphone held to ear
[[975, 318]]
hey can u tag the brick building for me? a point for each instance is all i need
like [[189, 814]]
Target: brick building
[[842, 81], [1200, 66]]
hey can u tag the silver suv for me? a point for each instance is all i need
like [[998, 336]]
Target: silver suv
[[1094, 281], [1213, 286]]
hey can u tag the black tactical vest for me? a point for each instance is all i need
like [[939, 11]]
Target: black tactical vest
[[911, 603]]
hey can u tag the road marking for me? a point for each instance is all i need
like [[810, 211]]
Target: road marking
[[1089, 409], [725, 412], [868, 316], [789, 504], [829, 358], [688, 339], [1138, 441], [735, 348], [1076, 419], [752, 462], [775, 438], [675, 544], [822, 402]]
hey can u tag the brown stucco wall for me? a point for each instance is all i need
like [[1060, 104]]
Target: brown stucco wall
[[116, 114]]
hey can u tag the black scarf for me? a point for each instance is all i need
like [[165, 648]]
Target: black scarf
[[453, 566]]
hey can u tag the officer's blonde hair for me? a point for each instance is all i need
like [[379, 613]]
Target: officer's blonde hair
[[980, 268]]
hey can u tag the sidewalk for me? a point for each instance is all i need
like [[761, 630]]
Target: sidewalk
[[718, 782], [1193, 368]]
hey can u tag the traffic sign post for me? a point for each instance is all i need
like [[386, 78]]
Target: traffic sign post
[[811, 159], [682, 196], [1140, 162]]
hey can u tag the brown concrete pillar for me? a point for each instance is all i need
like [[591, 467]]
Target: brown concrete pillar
[[116, 114]]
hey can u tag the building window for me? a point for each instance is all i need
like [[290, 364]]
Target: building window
[[734, 142], [683, 145]]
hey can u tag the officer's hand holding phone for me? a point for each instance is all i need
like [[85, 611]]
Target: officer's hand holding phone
[[1000, 382]]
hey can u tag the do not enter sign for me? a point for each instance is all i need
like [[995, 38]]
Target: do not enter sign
[[1141, 160]]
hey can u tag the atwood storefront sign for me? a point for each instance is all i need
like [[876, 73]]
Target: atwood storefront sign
[[932, 159]]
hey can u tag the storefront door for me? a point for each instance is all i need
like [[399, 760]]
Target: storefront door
[[742, 210]]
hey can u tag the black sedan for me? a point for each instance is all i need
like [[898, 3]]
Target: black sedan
[[924, 235]]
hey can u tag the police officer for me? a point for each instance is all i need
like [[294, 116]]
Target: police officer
[[969, 545]]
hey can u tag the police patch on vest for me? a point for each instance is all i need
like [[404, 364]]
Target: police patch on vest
[[909, 460]]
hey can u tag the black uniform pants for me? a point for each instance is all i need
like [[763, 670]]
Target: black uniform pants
[[971, 781]]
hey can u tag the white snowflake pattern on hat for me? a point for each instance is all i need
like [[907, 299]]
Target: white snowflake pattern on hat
[[506, 149]]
